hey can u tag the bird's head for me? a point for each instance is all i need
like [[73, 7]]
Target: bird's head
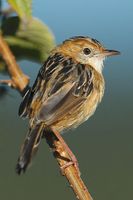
[[86, 51]]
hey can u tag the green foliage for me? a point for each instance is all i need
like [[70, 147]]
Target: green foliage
[[22, 8], [31, 41], [27, 36]]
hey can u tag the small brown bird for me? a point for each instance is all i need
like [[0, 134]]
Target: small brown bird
[[66, 92]]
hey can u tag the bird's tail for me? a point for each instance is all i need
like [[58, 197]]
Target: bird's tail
[[29, 147]]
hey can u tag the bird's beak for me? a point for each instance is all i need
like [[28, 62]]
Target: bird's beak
[[107, 52]]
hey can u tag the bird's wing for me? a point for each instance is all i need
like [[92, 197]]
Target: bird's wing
[[62, 85]]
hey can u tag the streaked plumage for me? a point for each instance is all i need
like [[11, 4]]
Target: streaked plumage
[[66, 92]]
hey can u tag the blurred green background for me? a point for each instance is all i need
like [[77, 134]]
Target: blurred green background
[[104, 144]]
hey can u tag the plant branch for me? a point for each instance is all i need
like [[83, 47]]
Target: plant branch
[[19, 81], [70, 172]]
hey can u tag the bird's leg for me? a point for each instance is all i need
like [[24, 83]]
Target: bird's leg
[[73, 160]]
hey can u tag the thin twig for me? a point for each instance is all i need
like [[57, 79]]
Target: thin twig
[[7, 82], [19, 81]]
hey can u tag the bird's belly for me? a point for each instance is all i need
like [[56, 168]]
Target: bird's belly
[[76, 117]]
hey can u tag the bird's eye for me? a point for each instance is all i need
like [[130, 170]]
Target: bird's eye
[[86, 51]]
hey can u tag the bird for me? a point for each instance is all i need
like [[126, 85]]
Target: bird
[[66, 92]]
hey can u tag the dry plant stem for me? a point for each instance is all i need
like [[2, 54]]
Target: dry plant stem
[[70, 172], [7, 82], [19, 81]]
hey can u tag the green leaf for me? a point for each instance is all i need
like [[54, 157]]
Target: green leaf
[[23, 8], [32, 41]]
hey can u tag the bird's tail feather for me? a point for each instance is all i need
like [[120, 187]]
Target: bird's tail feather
[[29, 147]]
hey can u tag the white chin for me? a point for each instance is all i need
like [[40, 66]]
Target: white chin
[[97, 63]]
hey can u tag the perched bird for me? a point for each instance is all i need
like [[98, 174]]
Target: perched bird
[[66, 92]]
